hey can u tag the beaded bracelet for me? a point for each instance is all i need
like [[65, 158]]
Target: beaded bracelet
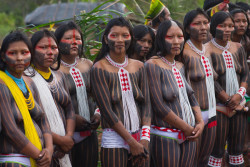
[[145, 133]]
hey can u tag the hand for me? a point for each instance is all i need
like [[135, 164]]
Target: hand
[[145, 145], [197, 131], [136, 148], [188, 131], [235, 100], [66, 143], [44, 158], [58, 153], [81, 123], [95, 121], [140, 158]]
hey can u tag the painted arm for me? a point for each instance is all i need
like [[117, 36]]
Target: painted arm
[[160, 108]]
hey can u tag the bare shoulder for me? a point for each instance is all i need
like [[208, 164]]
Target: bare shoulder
[[85, 61], [134, 62], [153, 60], [100, 64], [179, 64]]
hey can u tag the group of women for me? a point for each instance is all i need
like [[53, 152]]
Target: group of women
[[162, 100]]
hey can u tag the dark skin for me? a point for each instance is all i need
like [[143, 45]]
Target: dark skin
[[46, 55], [121, 40], [73, 44]]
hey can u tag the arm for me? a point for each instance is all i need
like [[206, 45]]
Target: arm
[[9, 127], [236, 98], [160, 108], [103, 99]]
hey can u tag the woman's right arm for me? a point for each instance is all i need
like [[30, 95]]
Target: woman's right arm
[[102, 96], [160, 108], [10, 129]]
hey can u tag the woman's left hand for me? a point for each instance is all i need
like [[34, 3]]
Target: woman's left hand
[[95, 121], [197, 131], [235, 101], [44, 158]]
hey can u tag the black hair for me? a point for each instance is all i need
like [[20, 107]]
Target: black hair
[[140, 31], [189, 17], [243, 6], [37, 36], [235, 11], [218, 18], [12, 37], [157, 20], [69, 26], [160, 46], [122, 22]]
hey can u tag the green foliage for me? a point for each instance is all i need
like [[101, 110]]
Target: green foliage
[[7, 23]]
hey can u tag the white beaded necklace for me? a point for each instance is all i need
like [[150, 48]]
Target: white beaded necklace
[[131, 119], [187, 112], [209, 78], [219, 46]]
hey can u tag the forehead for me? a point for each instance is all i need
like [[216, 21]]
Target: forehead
[[227, 21], [240, 15], [200, 17], [47, 40], [71, 32], [174, 29], [17, 45], [147, 36], [119, 29]]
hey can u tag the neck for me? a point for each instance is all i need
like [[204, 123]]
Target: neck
[[221, 42], [41, 68], [197, 44], [237, 38], [69, 59], [118, 58], [170, 58], [15, 74], [137, 57]]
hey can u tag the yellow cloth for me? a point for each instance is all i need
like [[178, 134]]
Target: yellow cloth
[[45, 75], [24, 105]]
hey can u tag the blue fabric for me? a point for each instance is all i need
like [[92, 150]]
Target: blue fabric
[[19, 81]]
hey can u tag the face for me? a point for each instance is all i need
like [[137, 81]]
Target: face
[[174, 40], [167, 14], [199, 28], [224, 30], [240, 21], [144, 45], [71, 43], [17, 57], [118, 39], [46, 52]]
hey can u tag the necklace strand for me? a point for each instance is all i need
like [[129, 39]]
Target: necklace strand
[[219, 46], [118, 65], [195, 49]]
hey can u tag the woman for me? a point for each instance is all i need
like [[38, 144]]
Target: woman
[[199, 74], [76, 71], [240, 35], [121, 91], [54, 95], [229, 62], [176, 113], [144, 42], [25, 139]]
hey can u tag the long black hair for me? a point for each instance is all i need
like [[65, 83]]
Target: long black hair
[[69, 26], [140, 31], [217, 19], [160, 44], [120, 21], [12, 37], [37, 36], [189, 17]]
